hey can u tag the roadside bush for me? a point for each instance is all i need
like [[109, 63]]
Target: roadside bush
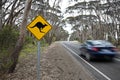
[[8, 38], [28, 40]]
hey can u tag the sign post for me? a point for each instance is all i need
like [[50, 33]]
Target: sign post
[[38, 61], [39, 27]]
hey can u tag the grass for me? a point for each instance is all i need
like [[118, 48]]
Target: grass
[[31, 49], [28, 49], [118, 47]]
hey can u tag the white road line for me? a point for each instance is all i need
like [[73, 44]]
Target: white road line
[[88, 63], [116, 59]]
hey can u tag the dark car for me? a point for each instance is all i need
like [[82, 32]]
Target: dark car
[[98, 49]]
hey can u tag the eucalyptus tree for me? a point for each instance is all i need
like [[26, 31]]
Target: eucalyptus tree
[[109, 14], [12, 10], [114, 17], [16, 12], [52, 13], [84, 20], [75, 36], [100, 16], [0, 14], [60, 34], [21, 39], [2, 3]]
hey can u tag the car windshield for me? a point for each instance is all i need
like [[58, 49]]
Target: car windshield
[[102, 43]]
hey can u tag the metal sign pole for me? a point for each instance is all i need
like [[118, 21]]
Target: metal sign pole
[[40, 23], [38, 61]]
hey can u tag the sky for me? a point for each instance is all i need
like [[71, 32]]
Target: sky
[[64, 4]]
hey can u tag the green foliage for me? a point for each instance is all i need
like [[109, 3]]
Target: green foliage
[[43, 43], [89, 37], [8, 38], [28, 40], [112, 40], [30, 48]]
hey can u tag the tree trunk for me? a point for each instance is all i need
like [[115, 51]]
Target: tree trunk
[[0, 14], [21, 39]]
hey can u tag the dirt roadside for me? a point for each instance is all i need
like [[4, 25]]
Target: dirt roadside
[[56, 64]]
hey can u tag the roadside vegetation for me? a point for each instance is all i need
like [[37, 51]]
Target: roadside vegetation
[[31, 48], [95, 19], [15, 40], [99, 19]]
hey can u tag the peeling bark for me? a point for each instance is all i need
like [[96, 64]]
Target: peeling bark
[[21, 39]]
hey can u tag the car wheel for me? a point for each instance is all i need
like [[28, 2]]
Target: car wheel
[[109, 58], [88, 56], [81, 54]]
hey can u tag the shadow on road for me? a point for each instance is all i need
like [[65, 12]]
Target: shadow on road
[[99, 60]]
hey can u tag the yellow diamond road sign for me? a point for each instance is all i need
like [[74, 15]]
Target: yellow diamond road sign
[[39, 27]]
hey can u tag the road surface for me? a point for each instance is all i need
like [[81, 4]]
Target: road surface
[[102, 70]]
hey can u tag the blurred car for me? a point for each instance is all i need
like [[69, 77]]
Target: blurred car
[[98, 49]]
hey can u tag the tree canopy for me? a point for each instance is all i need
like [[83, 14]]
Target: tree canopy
[[95, 19]]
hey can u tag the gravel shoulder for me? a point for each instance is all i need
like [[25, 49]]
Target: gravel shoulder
[[56, 64]]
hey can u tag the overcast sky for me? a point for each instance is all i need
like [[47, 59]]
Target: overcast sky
[[64, 5]]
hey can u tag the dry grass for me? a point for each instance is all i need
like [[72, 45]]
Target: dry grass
[[56, 64]]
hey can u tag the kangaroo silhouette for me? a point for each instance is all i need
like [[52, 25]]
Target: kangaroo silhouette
[[40, 26]]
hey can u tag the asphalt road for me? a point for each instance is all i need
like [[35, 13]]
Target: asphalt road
[[101, 70]]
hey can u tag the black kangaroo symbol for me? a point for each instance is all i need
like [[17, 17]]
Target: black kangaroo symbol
[[40, 26]]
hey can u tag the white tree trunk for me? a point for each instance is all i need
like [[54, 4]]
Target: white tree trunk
[[0, 14], [21, 39]]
